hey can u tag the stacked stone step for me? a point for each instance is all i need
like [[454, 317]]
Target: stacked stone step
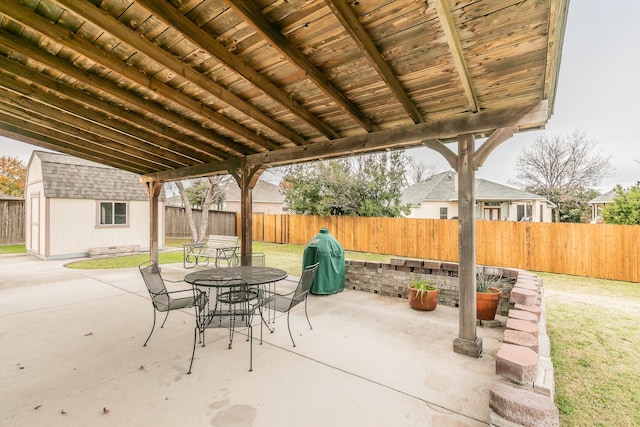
[[525, 395]]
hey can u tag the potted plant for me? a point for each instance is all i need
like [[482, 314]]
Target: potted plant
[[423, 295], [487, 295]]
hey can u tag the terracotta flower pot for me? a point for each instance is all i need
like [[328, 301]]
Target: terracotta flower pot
[[487, 303], [422, 300]]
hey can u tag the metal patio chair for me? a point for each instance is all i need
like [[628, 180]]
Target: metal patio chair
[[229, 305], [163, 300], [283, 303]]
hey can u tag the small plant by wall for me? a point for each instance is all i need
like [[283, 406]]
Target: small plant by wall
[[391, 279]]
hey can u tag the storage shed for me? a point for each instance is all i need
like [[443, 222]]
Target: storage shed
[[75, 208]]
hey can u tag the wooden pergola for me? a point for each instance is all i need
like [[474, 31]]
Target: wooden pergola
[[184, 88]]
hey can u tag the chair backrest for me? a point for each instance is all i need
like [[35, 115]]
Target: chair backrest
[[155, 284], [304, 285]]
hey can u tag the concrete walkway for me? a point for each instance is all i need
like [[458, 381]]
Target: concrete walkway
[[72, 355]]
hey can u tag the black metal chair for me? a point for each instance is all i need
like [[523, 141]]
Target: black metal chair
[[229, 305], [283, 303], [163, 300]]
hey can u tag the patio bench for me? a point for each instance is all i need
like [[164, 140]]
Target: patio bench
[[217, 248]]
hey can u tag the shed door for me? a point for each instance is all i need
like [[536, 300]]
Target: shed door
[[34, 223]]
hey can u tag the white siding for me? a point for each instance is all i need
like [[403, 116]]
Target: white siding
[[74, 227], [432, 210]]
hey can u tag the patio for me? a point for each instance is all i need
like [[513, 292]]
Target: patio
[[72, 343]]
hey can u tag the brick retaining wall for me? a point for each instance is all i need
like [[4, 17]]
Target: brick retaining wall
[[524, 396], [392, 279]]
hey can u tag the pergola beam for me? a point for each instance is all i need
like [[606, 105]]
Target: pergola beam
[[280, 42], [207, 42], [101, 85], [106, 137], [21, 130], [449, 28], [103, 116], [483, 122], [128, 36], [358, 33]]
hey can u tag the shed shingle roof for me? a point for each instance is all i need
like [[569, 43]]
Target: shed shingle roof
[[67, 177]]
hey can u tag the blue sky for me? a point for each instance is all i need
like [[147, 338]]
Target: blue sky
[[598, 94]]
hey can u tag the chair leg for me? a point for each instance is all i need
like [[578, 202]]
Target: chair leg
[[305, 313], [289, 327], [262, 321], [193, 352], [165, 319], [232, 325], [152, 328], [250, 347]]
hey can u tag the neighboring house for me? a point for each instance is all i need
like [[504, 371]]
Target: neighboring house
[[175, 201], [598, 204], [73, 206], [266, 197], [437, 198]]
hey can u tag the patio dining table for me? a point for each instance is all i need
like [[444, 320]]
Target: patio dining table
[[252, 275]]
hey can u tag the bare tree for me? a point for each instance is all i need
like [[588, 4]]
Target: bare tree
[[418, 170], [560, 167], [212, 191]]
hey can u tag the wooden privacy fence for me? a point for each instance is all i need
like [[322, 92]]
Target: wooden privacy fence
[[592, 250], [176, 224], [11, 221]]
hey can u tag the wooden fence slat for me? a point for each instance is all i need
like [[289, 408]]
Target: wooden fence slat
[[593, 250], [11, 221]]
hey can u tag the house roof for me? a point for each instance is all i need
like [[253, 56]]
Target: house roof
[[604, 198], [176, 89], [263, 192], [442, 187], [68, 177]]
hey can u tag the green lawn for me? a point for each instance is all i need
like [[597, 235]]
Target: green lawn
[[594, 326], [12, 249], [287, 257]]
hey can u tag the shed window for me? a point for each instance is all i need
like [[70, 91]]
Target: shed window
[[113, 213], [443, 213]]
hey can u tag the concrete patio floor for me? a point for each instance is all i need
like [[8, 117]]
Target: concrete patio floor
[[72, 354]]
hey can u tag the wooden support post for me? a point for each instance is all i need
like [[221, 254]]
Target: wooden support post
[[467, 342], [246, 177], [154, 188]]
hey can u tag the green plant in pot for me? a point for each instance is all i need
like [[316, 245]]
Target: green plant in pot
[[423, 295], [487, 295]]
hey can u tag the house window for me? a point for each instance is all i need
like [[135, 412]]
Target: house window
[[492, 214], [113, 213], [444, 213], [525, 215]]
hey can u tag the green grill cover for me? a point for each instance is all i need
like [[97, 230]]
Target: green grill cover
[[326, 250]]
